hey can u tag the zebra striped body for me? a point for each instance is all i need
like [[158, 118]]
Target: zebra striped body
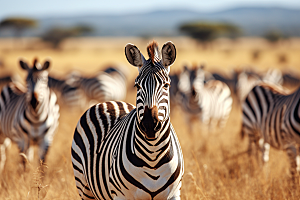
[[102, 87], [271, 117], [248, 78], [30, 117], [67, 94], [122, 152], [210, 102], [5, 80]]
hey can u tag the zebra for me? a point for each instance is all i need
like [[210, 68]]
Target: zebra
[[30, 117], [209, 101], [248, 78], [102, 87], [122, 152], [67, 93], [246, 81], [6, 79], [270, 117]]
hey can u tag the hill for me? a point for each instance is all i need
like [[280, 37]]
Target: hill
[[254, 21]]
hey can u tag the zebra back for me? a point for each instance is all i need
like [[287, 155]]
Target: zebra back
[[68, 94], [101, 87], [268, 104]]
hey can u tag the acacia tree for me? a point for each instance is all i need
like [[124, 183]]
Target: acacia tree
[[205, 32], [56, 35], [18, 24], [273, 36]]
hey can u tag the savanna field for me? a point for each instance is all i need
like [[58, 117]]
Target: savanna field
[[216, 163]]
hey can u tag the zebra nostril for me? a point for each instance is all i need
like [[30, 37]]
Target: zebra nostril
[[157, 127], [193, 92]]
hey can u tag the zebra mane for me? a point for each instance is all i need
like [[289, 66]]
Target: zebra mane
[[277, 89], [153, 52]]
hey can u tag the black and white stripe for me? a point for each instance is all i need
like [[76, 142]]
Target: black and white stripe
[[271, 117], [67, 94], [30, 117], [107, 85], [210, 101], [248, 78], [122, 152]]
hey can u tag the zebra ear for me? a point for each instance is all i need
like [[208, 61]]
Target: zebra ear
[[46, 65], [23, 65], [168, 54], [134, 55]]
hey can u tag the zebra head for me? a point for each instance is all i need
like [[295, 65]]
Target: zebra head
[[152, 85], [191, 81], [37, 82]]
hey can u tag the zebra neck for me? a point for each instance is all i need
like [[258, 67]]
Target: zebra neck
[[41, 112], [152, 151]]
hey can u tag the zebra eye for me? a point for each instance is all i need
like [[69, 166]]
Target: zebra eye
[[138, 87], [166, 86]]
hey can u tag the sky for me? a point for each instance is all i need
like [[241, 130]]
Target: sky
[[39, 8]]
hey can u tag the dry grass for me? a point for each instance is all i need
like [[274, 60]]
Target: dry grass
[[215, 166]]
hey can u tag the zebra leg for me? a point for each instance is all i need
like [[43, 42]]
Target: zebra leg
[[298, 160], [253, 152], [176, 195], [292, 154], [43, 149], [6, 144], [265, 149], [175, 198], [23, 147], [212, 125], [30, 153], [205, 119]]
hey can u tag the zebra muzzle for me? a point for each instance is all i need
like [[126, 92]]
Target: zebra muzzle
[[150, 123], [194, 92], [34, 102]]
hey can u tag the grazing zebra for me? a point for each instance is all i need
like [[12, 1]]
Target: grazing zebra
[[248, 78], [122, 152], [67, 93], [246, 81], [30, 117], [271, 117], [102, 87], [209, 101]]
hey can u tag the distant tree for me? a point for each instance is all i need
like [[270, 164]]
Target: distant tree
[[205, 32], [18, 24], [58, 34], [273, 36]]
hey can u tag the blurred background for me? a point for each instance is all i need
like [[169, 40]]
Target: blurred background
[[216, 26], [228, 37]]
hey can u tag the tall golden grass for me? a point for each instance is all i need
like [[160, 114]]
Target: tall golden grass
[[216, 165]]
